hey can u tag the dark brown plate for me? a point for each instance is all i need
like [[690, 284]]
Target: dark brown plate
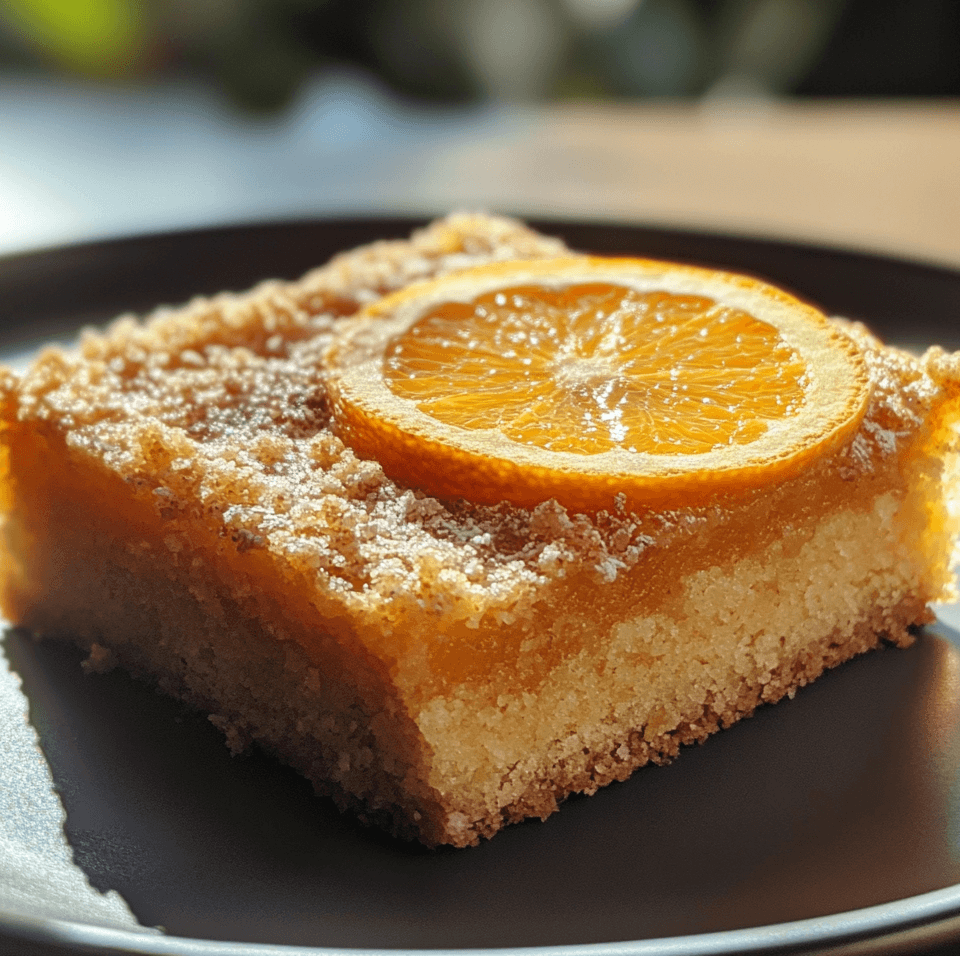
[[832, 820]]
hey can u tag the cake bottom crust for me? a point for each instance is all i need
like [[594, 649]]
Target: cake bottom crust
[[434, 820], [629, 750]]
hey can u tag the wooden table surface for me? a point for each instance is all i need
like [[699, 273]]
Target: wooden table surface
[[879, 176], [83, 162]]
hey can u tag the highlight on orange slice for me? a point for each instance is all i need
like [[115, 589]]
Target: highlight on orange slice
[[584, 379]]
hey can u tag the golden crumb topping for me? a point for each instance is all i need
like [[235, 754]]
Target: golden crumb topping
[[218, 411]]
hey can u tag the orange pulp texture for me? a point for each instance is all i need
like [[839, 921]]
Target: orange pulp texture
[[596, 366]]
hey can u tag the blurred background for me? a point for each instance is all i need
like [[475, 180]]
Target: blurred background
[[125, 115], [259, 54]]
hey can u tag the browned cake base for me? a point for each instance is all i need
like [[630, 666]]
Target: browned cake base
[[177, 504]]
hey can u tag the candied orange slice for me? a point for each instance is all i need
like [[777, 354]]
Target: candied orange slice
[[584, 379]]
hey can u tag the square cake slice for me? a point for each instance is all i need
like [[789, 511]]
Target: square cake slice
[[176, 501]]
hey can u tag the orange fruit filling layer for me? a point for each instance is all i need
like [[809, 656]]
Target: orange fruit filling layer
[[405, 643]]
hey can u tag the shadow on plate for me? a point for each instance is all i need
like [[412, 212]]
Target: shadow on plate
[[842, 798]]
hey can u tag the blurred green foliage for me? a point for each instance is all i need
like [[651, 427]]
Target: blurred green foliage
[[260, 51], [93, 37]]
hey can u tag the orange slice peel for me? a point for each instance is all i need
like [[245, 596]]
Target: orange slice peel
[[595, 382]]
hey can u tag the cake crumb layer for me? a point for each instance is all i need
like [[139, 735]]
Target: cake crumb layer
[[177, 501]]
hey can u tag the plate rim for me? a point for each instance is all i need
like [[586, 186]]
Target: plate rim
[[405, 220], [933, 914]]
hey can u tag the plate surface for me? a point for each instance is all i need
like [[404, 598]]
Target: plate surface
[[830, 819]]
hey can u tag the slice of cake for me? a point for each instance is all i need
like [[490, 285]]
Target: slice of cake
[[179, 500]]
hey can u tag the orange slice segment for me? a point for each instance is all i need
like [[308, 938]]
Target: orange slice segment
[[585, 379]]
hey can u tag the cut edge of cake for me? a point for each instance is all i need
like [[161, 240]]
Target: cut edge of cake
[[225, 610]]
